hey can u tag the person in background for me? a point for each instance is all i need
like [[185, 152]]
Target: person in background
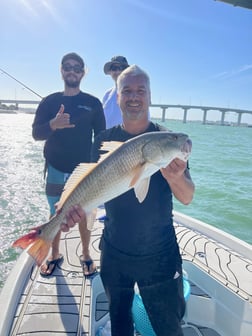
[[138, 243], [112, 111], [67, 121]]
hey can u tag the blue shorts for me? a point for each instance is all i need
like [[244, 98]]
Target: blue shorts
[[55, 181]]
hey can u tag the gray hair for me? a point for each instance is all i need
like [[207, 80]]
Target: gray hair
[[132, 70]]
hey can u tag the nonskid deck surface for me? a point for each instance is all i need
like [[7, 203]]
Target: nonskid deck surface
[[227, 266], [60, 304], [64, 303]]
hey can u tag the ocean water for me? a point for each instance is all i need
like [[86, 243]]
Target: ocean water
[[220, 165]]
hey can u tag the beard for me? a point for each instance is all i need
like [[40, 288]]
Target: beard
[[72, 83], [134, 115], [72, 80]]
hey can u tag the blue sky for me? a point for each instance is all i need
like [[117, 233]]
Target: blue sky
[[195, 51]]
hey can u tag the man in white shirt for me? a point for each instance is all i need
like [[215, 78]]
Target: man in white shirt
[[111, 109]]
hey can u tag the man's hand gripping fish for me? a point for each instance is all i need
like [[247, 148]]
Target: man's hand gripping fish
[[126, 165]]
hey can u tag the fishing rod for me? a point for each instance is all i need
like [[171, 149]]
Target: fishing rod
[[6, 73]]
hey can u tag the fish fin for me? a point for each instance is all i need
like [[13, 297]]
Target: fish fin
[[37, 247], [109, 147], [39, 250], [141, 180], [143, 171], [81, 171], [91, 217], [141, 189], [138, 171]]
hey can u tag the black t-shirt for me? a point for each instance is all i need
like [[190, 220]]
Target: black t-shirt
[[133, 228], [65, 148]]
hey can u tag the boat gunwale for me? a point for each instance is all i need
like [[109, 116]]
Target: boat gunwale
[[222, 241], [218, 235]]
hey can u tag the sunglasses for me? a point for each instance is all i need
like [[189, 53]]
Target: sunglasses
[[76, 68], [117, 67]]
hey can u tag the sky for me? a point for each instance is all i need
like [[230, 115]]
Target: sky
[[196, 52]]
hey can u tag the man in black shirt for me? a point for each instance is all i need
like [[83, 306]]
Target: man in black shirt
[[138, 244], [67, 121]]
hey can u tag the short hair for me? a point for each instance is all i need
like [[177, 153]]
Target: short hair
[[74, 57], [132, 70]]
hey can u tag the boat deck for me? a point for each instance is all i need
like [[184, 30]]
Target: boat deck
[[63, 304]]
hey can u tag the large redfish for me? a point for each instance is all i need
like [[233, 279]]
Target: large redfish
[[127, 165]]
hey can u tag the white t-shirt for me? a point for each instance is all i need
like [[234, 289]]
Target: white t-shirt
[[113, 114]]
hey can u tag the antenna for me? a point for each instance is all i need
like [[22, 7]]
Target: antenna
[[6, 73]]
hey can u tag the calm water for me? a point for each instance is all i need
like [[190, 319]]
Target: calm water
[[221, 167]]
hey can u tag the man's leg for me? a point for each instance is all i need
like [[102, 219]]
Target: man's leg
[[87, 263], [55, 181], [47, 268], [165, 305], [119, 288]]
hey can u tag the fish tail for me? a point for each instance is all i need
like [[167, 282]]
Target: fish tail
[[39, 248]]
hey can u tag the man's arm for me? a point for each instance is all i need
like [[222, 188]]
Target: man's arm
[[41, 129], [179, 179], [44, 125]]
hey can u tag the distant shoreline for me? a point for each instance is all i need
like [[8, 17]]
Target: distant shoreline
[[208, 122], [8, 111], [26, 111]]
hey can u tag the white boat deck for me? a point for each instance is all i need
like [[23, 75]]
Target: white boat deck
[[64, 303]]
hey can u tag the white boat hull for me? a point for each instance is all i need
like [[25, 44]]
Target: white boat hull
[[219, 268]]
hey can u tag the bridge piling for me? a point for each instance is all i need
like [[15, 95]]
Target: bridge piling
[[239, 119], [185, 115], [223, 117], [163, 113], [204, 116]]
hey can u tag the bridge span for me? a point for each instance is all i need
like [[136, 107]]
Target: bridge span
[[204, 109], [164, 108]]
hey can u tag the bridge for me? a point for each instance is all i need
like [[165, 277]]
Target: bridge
[[205, 109], [164, 108]]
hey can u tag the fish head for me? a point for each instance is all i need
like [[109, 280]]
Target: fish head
[[162, 147]]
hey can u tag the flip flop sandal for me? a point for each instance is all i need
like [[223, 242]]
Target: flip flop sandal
[[88, 267], [54, 263]]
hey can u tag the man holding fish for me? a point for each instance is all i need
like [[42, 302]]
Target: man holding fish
[[139, 244]]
